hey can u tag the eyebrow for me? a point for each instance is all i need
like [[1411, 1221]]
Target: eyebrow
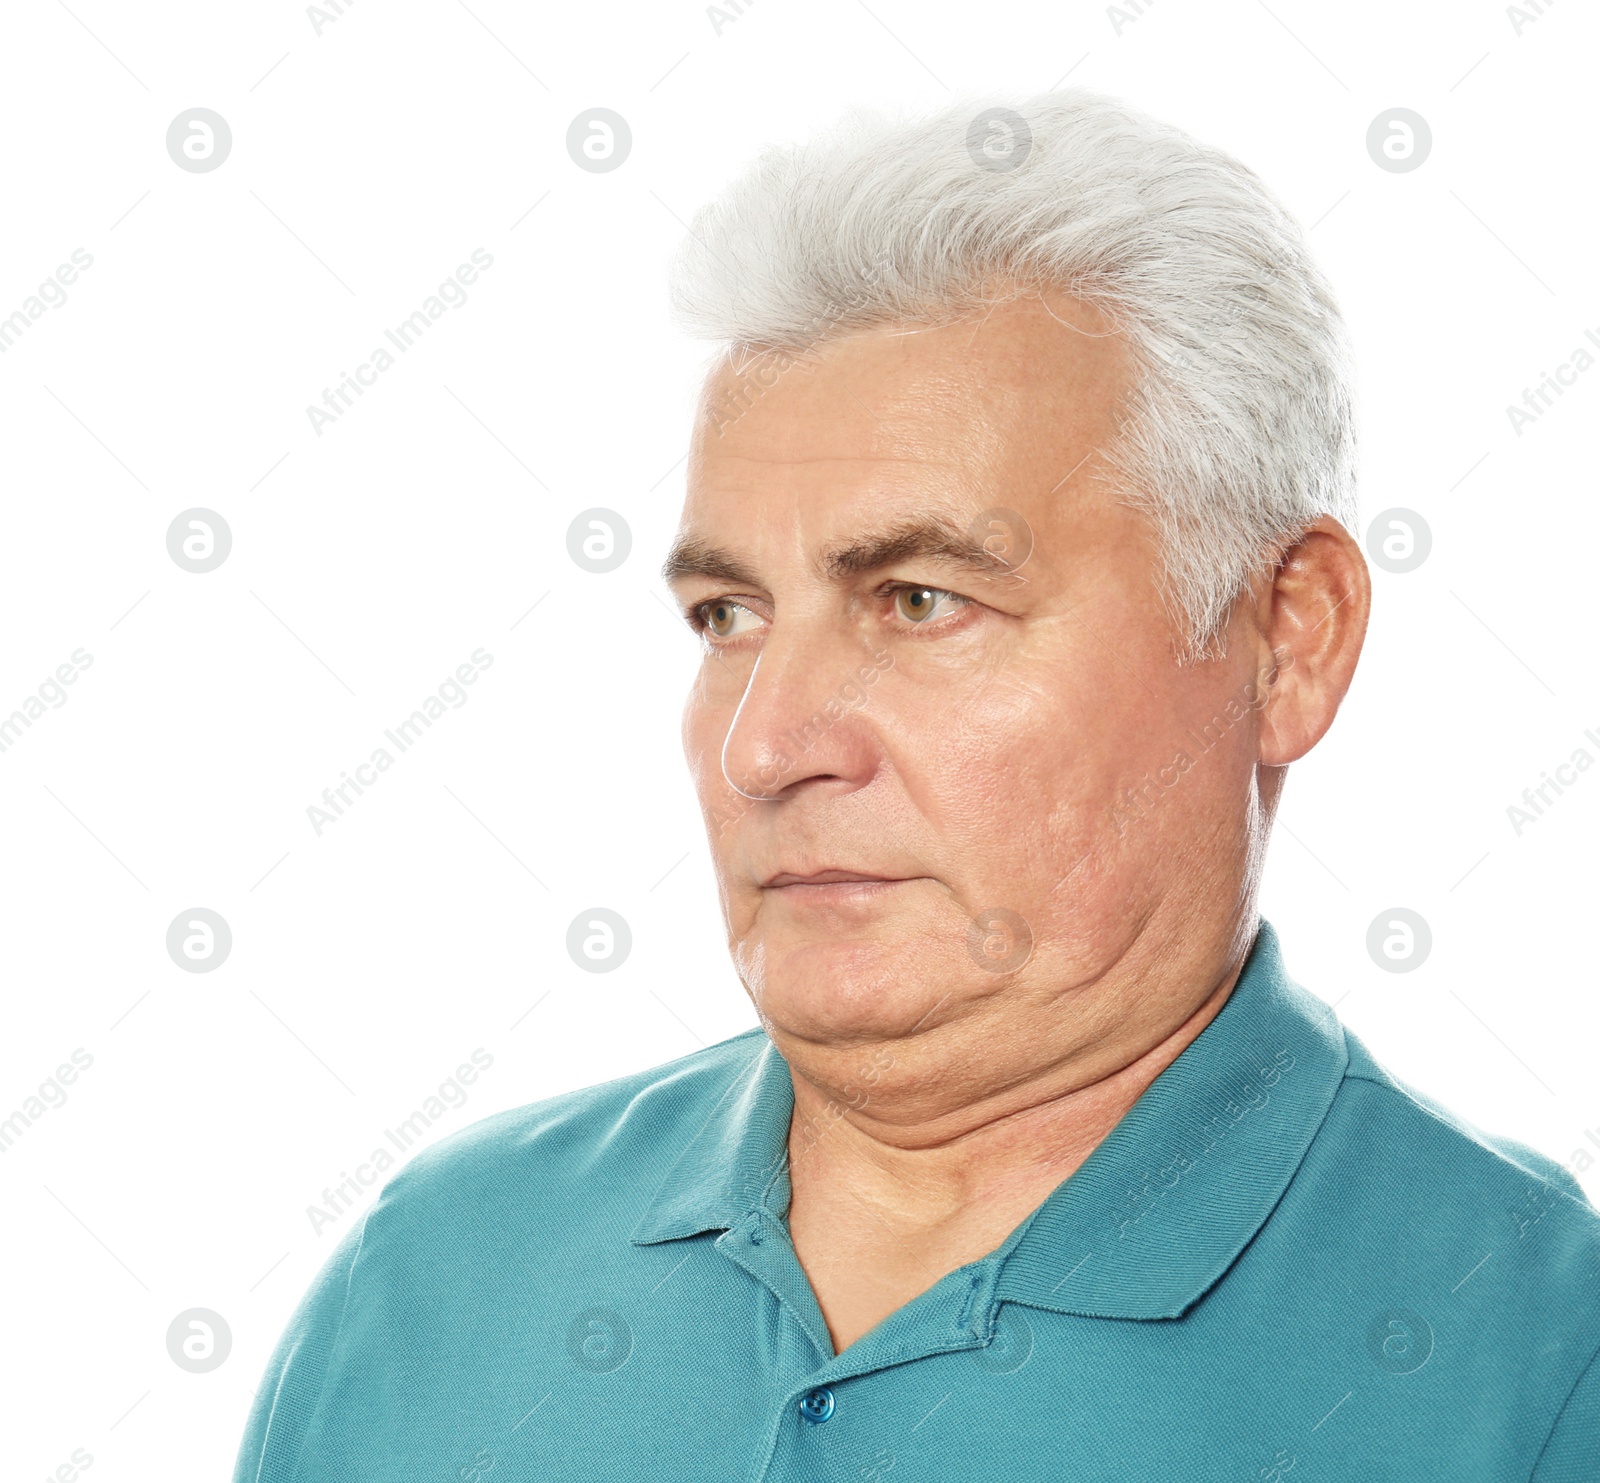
[[692, 557], [926, 537]]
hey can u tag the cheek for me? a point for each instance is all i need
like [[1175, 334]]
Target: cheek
[[978, 779], [704, 729], [707, 717], [1022, 774]]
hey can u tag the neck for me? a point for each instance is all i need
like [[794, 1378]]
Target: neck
[[929, 1157], [917, 1155]]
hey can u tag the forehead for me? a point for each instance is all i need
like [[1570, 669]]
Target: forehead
[[1006, 408]]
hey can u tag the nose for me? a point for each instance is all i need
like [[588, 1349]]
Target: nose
[[806, 717]]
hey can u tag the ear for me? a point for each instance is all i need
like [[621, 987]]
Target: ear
[[1311, 619]]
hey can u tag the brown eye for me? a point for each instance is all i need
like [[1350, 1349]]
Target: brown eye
[[918, 604], [724, 618]]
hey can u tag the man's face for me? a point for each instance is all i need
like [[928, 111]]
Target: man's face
[[956, 729]]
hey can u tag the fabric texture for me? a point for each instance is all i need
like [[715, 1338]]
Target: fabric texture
[[1282, 1264]]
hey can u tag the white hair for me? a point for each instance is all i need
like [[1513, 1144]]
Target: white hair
[[1240, 429]]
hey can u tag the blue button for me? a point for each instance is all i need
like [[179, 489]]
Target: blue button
[[817, 1405]]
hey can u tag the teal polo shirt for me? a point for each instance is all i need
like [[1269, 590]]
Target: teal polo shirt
[[1282, 1264]]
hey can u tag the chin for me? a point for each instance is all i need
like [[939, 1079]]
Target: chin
[[839, 989]]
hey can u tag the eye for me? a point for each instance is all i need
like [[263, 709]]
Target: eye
[[724, 619], [920, 604]]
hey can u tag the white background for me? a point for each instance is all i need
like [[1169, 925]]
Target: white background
[[368, 161]]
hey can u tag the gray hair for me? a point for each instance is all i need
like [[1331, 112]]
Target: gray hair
[[1240, 429]]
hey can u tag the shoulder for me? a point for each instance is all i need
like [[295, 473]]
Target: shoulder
[[620, 1136], [1502, 1236], [1482, 1209], [1429, 1131]]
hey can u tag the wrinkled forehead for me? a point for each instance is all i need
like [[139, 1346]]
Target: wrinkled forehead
[[1005, 409]]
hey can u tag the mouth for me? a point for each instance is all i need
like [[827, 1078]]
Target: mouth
[[824, 886]]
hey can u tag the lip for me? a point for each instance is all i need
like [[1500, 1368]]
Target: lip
[[787, 879]]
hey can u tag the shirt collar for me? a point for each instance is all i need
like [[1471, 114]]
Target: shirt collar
[[1156, 1213], [737, 1161]]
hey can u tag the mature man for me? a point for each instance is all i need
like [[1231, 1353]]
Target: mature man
[[1018, 542]]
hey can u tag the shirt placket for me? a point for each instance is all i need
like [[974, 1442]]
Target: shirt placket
[[807, 1433]]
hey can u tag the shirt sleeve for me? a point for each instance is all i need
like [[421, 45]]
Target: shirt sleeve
[[1572, 1450], [291, 1390]]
